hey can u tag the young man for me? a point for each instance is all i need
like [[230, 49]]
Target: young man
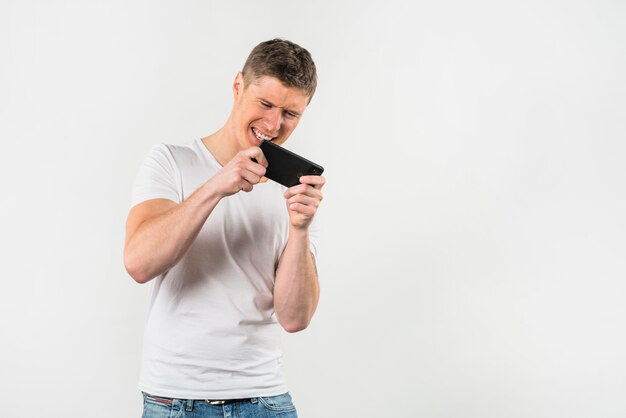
[[227, 253]]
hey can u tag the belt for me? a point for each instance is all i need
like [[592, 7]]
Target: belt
[[209, 401]]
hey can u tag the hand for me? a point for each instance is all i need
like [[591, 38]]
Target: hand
[[241, 173], [303, 200]]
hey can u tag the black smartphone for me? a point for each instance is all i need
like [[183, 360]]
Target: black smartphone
[[286, 167]]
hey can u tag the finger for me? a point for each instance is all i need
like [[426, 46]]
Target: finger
[[250, 176], [242, 163], [304, 189], [304, 200], [315, 181], [245, 187], [305, 210], [253, 167], [256, 155], [244, 171]]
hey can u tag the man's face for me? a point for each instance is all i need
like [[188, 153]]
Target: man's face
[[266, 109]]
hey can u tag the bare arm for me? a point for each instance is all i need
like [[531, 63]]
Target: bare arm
[[296, 288], [159, 231]]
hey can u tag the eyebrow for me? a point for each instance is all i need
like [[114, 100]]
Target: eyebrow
[[284, 108]]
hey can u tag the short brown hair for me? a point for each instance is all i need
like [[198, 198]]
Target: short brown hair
[[284, 60]]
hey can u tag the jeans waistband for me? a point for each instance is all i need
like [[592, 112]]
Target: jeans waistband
[[164, 399]]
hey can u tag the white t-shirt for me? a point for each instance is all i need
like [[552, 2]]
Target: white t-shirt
[[211, 331]]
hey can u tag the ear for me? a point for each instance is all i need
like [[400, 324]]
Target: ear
[[238, 85]]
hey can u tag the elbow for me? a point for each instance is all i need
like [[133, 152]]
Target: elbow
[[139, 278], [137, 275], [134, 270], [295, 326]]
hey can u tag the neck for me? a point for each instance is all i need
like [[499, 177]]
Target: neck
[[222, 144]]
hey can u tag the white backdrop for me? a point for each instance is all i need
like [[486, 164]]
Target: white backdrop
[[473, 259]]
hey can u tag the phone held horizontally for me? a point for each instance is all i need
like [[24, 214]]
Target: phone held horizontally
[[286, 167]]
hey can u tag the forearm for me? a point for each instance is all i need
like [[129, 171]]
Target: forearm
[[160, 242], [296, 287]]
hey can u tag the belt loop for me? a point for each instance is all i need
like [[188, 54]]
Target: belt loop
[[189, 405]]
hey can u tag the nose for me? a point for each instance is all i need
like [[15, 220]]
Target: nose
[[274, 120]]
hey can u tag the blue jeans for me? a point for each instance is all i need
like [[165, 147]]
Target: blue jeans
[[279, 406]]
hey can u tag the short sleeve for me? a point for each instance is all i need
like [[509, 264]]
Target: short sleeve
[[158, 177]]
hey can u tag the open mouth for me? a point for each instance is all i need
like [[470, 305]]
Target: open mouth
[[261, 136]]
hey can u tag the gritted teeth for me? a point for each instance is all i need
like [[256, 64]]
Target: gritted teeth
[[261, 136]]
